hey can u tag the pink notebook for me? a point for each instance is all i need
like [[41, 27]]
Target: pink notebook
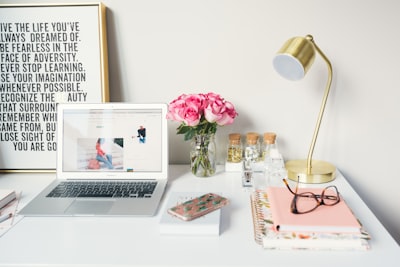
[[333, 219]]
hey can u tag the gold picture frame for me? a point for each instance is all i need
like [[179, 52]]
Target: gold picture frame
[[49, 53]]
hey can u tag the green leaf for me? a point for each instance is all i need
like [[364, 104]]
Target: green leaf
[[182, 129], [204, 127], [189, 134]]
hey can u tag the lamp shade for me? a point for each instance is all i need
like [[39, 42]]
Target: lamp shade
[[295, 58]]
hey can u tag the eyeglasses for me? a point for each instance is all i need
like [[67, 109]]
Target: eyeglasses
[[305, 202]]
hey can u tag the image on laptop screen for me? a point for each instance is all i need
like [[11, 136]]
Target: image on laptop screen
[[112, 140]]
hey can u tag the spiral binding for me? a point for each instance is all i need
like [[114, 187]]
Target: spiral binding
[[258, 221]]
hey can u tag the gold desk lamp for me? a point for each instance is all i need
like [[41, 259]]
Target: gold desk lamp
[[292, 62]]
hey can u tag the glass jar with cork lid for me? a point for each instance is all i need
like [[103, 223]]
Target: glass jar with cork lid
[[252, 147], [235, 149], [268, 145]]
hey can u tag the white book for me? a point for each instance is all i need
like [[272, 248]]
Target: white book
[[6, 196], [208, 224]]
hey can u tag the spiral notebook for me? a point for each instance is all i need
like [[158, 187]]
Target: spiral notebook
[[266, 235]]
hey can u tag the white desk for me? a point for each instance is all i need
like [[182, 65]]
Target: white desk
[[91, 241]]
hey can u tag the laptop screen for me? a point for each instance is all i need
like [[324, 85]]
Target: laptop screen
[[113, 138]]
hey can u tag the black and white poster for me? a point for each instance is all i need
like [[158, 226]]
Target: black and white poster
[[49, 54]]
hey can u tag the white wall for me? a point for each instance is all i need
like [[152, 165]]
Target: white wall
[[160, 49]]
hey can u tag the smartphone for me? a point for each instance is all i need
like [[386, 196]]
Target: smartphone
[[199, 206]]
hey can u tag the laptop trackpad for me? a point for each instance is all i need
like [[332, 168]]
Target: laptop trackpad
[[90, 207]]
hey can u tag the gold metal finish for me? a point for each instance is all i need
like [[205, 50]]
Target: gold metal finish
[[301, 49], [104, 53], [310, 171], [321, 171]]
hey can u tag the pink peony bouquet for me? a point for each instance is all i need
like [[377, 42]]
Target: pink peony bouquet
[[199, 114]]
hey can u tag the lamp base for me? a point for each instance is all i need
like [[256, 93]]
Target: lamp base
[[321, 171]]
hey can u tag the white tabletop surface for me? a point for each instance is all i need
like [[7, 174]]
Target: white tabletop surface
[[136, 241]]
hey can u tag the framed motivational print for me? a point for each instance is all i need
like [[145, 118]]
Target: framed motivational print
[[49, 54]]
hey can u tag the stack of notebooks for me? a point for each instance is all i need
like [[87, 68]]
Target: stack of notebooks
[[8, 209], [6, 196], [325, 228]]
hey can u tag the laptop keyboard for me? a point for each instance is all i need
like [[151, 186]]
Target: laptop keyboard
[[104, 189]]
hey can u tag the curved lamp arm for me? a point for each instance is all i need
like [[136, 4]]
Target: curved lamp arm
[[322, 109]]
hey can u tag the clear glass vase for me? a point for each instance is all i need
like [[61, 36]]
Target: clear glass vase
[[203, 155]]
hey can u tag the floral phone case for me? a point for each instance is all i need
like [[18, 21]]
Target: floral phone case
[[198, 206]]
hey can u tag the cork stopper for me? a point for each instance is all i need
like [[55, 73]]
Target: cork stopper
[[269, 138], [234, 138], [252, 138]]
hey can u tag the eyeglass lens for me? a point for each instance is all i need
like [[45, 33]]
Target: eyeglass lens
[[307, 201]]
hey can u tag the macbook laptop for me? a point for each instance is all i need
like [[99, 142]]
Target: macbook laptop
[[112, 160]]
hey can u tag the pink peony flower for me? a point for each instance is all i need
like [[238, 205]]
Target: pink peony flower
[[200, 113], [228, 116]]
